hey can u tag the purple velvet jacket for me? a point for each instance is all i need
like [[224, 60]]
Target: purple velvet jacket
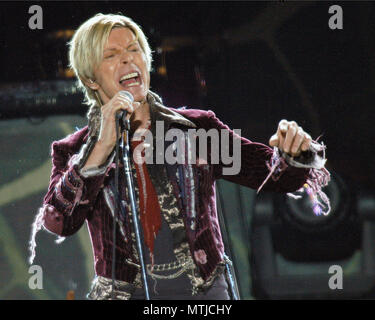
[[73, 198]]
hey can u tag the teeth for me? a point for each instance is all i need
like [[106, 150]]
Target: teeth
[[128, 76], [133, 84]]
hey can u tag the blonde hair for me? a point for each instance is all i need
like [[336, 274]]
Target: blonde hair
[[87, 44]]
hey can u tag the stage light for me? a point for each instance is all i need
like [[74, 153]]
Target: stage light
[[293, 248]]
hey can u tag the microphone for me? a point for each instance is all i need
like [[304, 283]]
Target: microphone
[[121, 115]]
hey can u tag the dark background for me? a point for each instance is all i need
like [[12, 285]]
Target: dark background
[[252, 63]]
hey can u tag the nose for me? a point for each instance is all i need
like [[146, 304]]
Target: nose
[[126, 57]]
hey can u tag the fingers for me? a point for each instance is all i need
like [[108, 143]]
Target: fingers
[[124, 104], [282, 132], [297, 142], [290, 138], [278, 138], [107, 135], [290, 134], [117, 103], [121, 103], [283, 126], [274, 141], [306, 142]]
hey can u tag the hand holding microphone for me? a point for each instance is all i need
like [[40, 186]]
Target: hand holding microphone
[[121, 115], [122, 106]]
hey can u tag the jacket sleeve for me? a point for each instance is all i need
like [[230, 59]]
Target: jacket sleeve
[[251, 161], [71, 194]]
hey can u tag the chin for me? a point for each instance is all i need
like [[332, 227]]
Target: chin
[[139, 96]]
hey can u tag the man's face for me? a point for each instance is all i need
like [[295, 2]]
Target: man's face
[[123, 67]]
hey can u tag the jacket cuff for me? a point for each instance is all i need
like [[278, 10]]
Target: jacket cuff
[[78, 186], [318, 176], [95, 170], [314, 158]]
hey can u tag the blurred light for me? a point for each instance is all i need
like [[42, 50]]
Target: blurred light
[[61, 34], [199, 76], [162, 70], [69, 73]]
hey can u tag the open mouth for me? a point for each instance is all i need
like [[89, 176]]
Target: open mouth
[[130, 80]]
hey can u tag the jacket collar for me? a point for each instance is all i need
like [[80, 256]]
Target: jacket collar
[[159, 112]]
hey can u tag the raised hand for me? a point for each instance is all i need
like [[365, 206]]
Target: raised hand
[[290, 138]]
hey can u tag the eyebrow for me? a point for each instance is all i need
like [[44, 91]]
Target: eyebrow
[[129, 45]]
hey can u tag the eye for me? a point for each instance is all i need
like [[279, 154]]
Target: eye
[[109, 56], [134, 48]]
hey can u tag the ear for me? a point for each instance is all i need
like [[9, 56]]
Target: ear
[[90, 83]]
